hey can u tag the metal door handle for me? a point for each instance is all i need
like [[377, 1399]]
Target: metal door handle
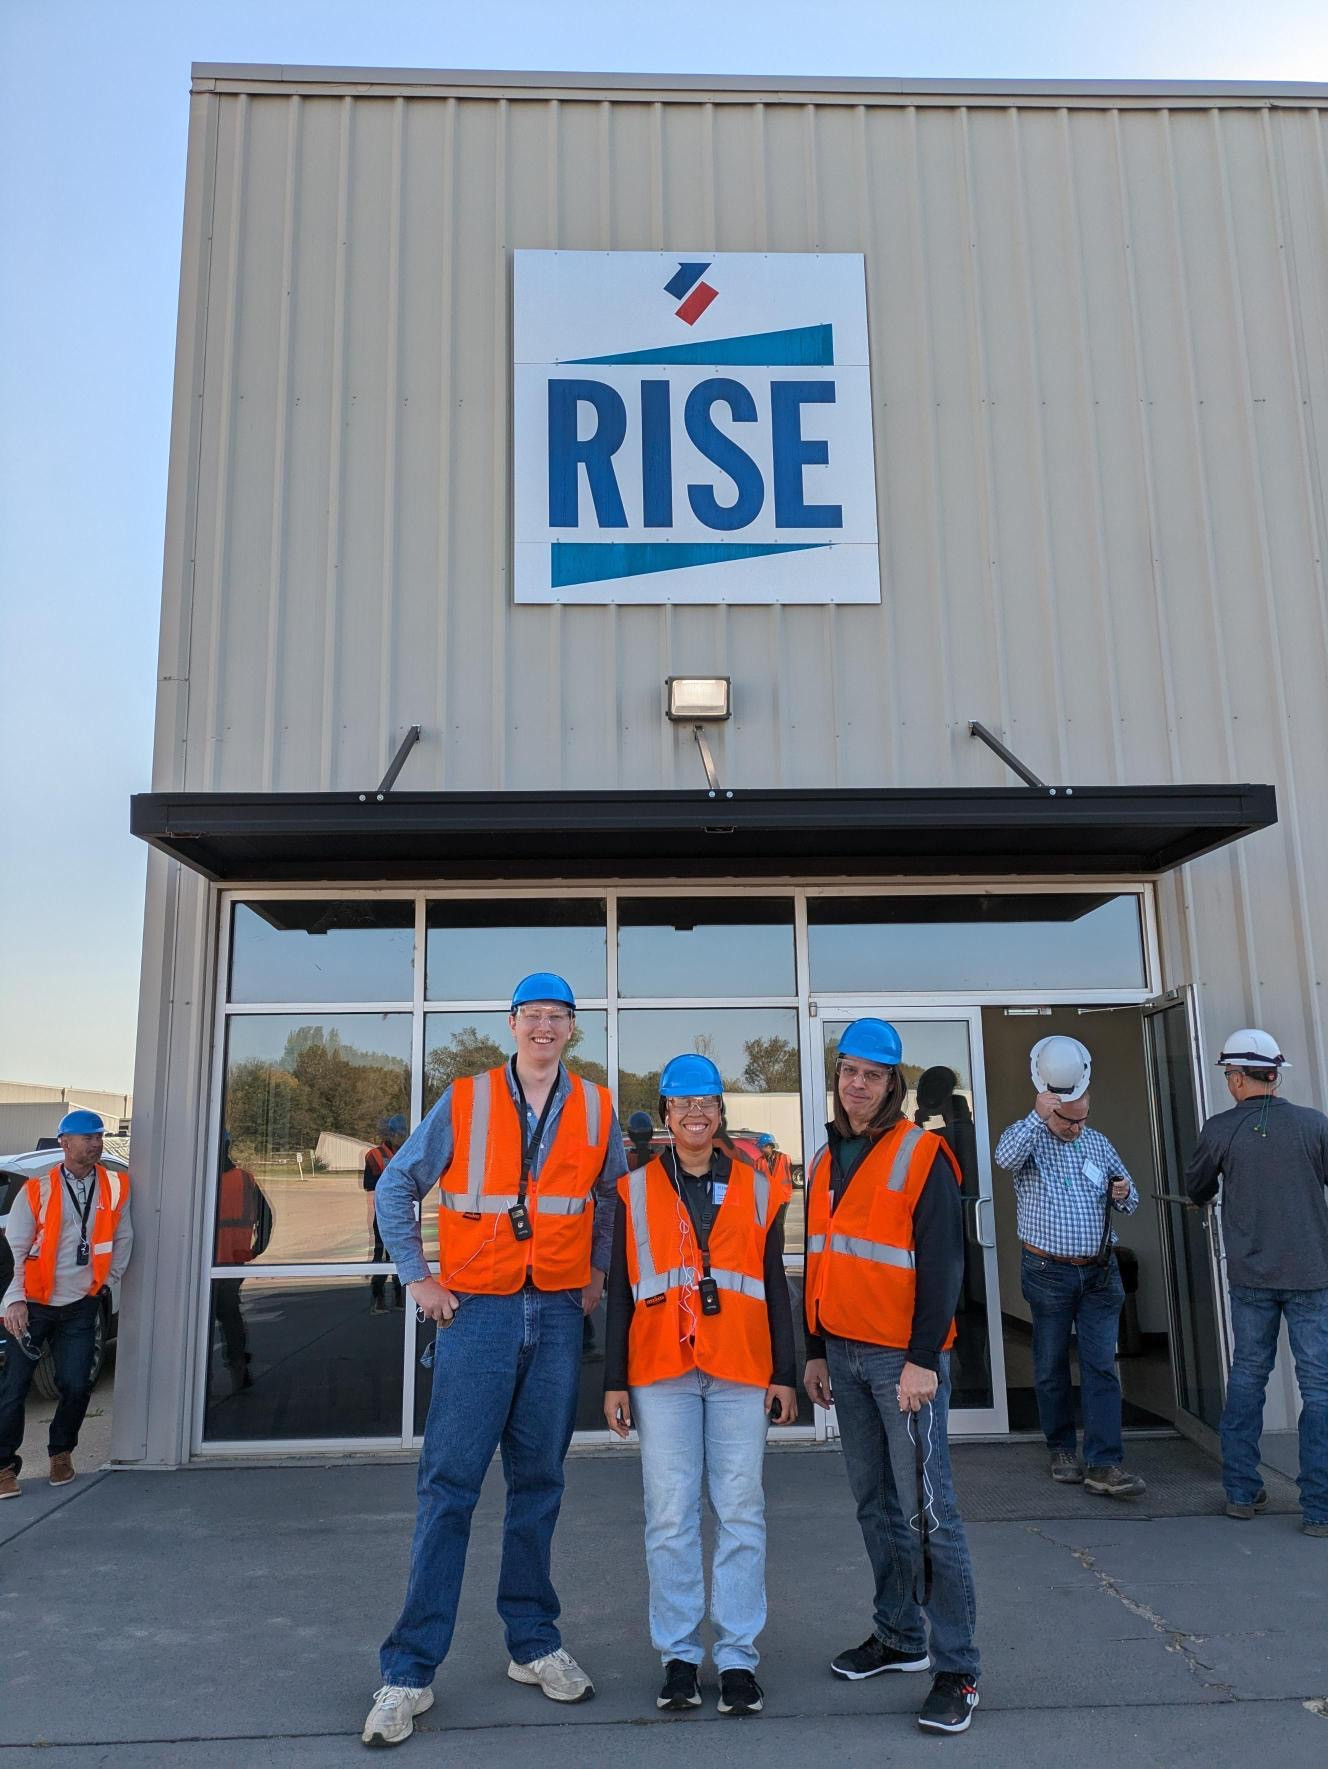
[[977, 1221]]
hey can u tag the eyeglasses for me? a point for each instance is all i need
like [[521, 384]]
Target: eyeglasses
[[695, 1103], [1073, 1123], [544, 1016], [852, 1072]]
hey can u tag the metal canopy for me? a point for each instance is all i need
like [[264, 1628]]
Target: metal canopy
[[343, 837]]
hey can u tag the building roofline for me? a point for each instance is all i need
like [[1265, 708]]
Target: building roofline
[[258, 76]]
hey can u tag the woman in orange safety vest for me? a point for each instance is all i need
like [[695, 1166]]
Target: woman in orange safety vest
[[885, 1263], [699, 1356]]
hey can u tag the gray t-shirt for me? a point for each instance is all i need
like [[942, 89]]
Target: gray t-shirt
[[1274, 1205]]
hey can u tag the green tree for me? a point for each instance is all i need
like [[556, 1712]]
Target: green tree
[[772, 1066]]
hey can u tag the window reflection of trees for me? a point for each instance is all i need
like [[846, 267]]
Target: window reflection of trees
[[319, 1084]]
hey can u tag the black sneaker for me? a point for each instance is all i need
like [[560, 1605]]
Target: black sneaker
[[680, 1687], [949, 1707], [1113, 1483], [740, 1693], [873, 1657]]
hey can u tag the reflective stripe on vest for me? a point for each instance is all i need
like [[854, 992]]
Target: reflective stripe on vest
[[903, 1155], [879, 1251], [658, 1283], [762, 1188], [479, 1142], [494, 1204]]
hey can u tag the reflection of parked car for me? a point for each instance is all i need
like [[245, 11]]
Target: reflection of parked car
[[15, 1172]]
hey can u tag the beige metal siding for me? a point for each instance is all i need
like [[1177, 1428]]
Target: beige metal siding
[[1100, 370]]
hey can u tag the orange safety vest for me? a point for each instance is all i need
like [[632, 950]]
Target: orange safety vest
[[477, 1248], [669, 1334], [860, 1281], [377, 1159], [46, 1202], [239, 1206], [782, 1169]]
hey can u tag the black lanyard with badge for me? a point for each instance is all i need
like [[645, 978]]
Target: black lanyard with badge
[[707, 1287], [518, 1214], [84, 1211]]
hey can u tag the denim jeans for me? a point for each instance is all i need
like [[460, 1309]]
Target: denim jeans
[[688, 1425], [1087, 1298], [1256, 1316], [72, 1332], [882, 1472], [506, 1375]]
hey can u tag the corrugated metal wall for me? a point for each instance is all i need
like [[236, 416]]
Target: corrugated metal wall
[[1100, 366]]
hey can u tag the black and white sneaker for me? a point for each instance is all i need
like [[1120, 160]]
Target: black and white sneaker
[[873, 1657], [680, 1689], [740, 1693], [949, 1707]]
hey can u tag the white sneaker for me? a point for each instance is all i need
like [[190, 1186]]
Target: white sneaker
[[557, 1674], [392, 1717]]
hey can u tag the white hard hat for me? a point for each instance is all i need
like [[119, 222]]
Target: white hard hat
[[1061, 1065], [1251, 1049]]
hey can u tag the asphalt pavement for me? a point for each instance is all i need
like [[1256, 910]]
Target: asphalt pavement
[[232, 1616]]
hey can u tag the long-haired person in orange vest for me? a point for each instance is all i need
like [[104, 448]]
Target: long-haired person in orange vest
[[526, 1158], [700, 1357], [70, 1235], [885, 1263]]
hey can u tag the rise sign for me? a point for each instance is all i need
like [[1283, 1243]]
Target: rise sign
[[692, 427]]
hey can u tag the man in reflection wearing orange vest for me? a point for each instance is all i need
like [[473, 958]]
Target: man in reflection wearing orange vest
[[70, 1234], [527, 1158], [244, 1228], [885, 1262]]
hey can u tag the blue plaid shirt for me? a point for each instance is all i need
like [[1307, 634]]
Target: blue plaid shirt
[[1061, 1186]]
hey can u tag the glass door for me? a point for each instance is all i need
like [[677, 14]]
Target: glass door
[[1191, 1249], [944, 1069]]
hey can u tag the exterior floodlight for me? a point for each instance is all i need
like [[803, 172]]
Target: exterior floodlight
[[695, 698]]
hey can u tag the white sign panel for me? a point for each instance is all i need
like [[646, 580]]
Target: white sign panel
[[692, 427]]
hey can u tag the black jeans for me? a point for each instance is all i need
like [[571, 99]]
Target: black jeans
[[72, 1332]]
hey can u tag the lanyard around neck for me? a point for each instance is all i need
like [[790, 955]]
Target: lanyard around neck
[[530, 1140]]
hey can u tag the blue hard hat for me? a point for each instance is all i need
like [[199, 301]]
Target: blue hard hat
[[765, 1140], [393, 1126], [543, 985], [874, 1041], [690, 1075], [639, 1124], [81, 1122]]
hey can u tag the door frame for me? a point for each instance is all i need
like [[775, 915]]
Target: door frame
[[1183, 997], [992, 1421]]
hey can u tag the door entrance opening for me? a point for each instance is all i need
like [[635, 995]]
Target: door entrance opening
[[1145, 1102]]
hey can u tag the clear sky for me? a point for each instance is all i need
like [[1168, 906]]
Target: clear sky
[[93, 112]]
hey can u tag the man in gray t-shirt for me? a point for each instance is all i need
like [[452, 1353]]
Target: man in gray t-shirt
[[1270, 1160]]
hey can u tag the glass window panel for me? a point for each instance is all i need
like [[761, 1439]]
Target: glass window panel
[[982, 942], [467, 1043], [303, 1103], [938, 1068], [480, 950], [301, 1357], [756, 1050], [705, 946], [363, 950]]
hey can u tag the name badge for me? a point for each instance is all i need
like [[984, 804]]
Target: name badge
[[1095, 1176], [720, 1190]]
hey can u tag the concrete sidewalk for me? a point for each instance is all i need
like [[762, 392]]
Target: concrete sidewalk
[[232, 1617]]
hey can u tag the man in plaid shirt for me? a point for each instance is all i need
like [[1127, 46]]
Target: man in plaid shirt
[[1062, 1174]]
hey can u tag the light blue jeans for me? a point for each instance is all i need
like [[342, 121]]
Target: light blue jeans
[[692, 1424], [1256, 1317]]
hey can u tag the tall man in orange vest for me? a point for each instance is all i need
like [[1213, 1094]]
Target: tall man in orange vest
[[70, 1234], [885, 1262], [527, 1158]]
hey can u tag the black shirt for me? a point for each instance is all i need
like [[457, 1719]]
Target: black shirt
[[697, 1193], [938, 1248]]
